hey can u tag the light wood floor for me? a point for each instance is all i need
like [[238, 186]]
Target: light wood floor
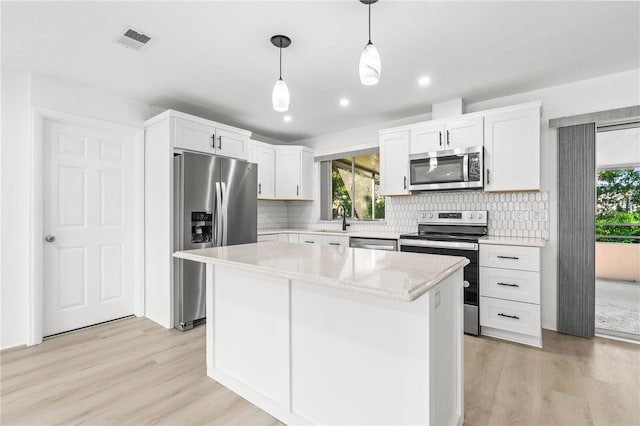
[[135, 372]]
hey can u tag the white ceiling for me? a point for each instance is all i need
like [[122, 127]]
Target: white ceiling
[[215, 59]]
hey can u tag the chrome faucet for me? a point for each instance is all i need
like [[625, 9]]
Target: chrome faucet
[[344, 217]]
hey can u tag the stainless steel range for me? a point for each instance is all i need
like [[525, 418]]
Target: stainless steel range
[[453, 233]]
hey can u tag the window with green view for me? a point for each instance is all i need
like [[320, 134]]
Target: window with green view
[[355, 185], [618, 206]]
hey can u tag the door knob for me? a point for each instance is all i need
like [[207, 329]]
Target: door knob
[[50, 238]]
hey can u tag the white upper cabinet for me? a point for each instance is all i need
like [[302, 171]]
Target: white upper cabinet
[[512, 150], [294, 173], [427, 137], [232, 144], [265, 156], [194, 136], [394, 163], [200, 135], [463, 132]]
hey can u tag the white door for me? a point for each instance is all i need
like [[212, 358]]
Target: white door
[[287, 173], [231, 144], [266, 163], [394, 163], [427, 138], [194, 136], [463, 133], [88, 226]]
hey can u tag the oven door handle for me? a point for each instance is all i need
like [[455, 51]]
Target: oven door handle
[[439, 244]]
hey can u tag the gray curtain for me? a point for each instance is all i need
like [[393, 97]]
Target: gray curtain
[[576, 224]]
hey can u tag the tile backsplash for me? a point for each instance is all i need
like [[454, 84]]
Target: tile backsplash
[[515, 214]]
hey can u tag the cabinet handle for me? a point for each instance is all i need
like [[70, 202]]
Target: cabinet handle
[[219, 142], [213, 141], [310, 242], [405, 182], [440, 137], [508, 316], [297, 189], [448, 137], [488, 176], [509, 284], [508, 257], [334, 244], [259, 188]]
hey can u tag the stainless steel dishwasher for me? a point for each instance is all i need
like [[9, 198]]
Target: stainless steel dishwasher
[[373, 243]]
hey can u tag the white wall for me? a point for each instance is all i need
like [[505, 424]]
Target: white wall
[[14, 225], [603, 93], [22, 92]]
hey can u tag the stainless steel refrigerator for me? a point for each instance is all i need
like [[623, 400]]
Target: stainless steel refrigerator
[[215, 204]]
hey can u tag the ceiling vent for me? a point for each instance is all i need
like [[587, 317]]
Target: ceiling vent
[[135, 39]]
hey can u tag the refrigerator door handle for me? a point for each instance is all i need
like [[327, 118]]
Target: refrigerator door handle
[[218, 232], [225, 208]]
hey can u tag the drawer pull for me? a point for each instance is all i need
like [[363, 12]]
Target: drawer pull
[[508, 316], [310, 242], [509, 257], [334, 244], [509, 284]]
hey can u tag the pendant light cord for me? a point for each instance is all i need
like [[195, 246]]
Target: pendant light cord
[[280, 59], [369, 23]]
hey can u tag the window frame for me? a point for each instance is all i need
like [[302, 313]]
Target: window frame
[[326, 187]]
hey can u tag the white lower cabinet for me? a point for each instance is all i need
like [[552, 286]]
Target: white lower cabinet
[[336, 240], [310, 238], [293, 238], [510, 293], [508, 315]]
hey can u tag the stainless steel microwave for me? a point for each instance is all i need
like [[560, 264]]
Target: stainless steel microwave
[[443, 170]]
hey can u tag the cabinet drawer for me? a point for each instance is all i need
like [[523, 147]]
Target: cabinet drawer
[[336, 240], [267, 237], [519, 286], [517, 317], [310, 238], [510, 257], [284, 238]]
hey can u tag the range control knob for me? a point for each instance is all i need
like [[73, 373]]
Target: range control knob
[[430, 216], [479, 215], [470, 215]]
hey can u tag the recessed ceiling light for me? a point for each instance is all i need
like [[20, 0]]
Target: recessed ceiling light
[[344, 102], [424, 81], [287, 118]]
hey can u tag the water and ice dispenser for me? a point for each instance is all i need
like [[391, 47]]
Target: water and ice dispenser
[[201, 227]]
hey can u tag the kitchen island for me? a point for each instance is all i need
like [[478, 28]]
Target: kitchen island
[[335, 335]]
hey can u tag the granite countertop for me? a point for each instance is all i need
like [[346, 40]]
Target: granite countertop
[[360, 234], [512, 241], [394, 275]]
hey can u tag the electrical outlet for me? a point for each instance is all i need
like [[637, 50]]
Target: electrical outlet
[[517, 216]]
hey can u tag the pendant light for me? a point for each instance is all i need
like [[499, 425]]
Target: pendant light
[[369, 58], [280, 97]]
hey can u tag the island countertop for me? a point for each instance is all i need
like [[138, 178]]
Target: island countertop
[[394, 275]]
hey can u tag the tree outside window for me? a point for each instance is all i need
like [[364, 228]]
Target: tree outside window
[[618, 206], [355, 184]]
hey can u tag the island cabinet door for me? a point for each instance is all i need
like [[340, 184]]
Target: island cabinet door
[[251, 331], [362, 359]]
